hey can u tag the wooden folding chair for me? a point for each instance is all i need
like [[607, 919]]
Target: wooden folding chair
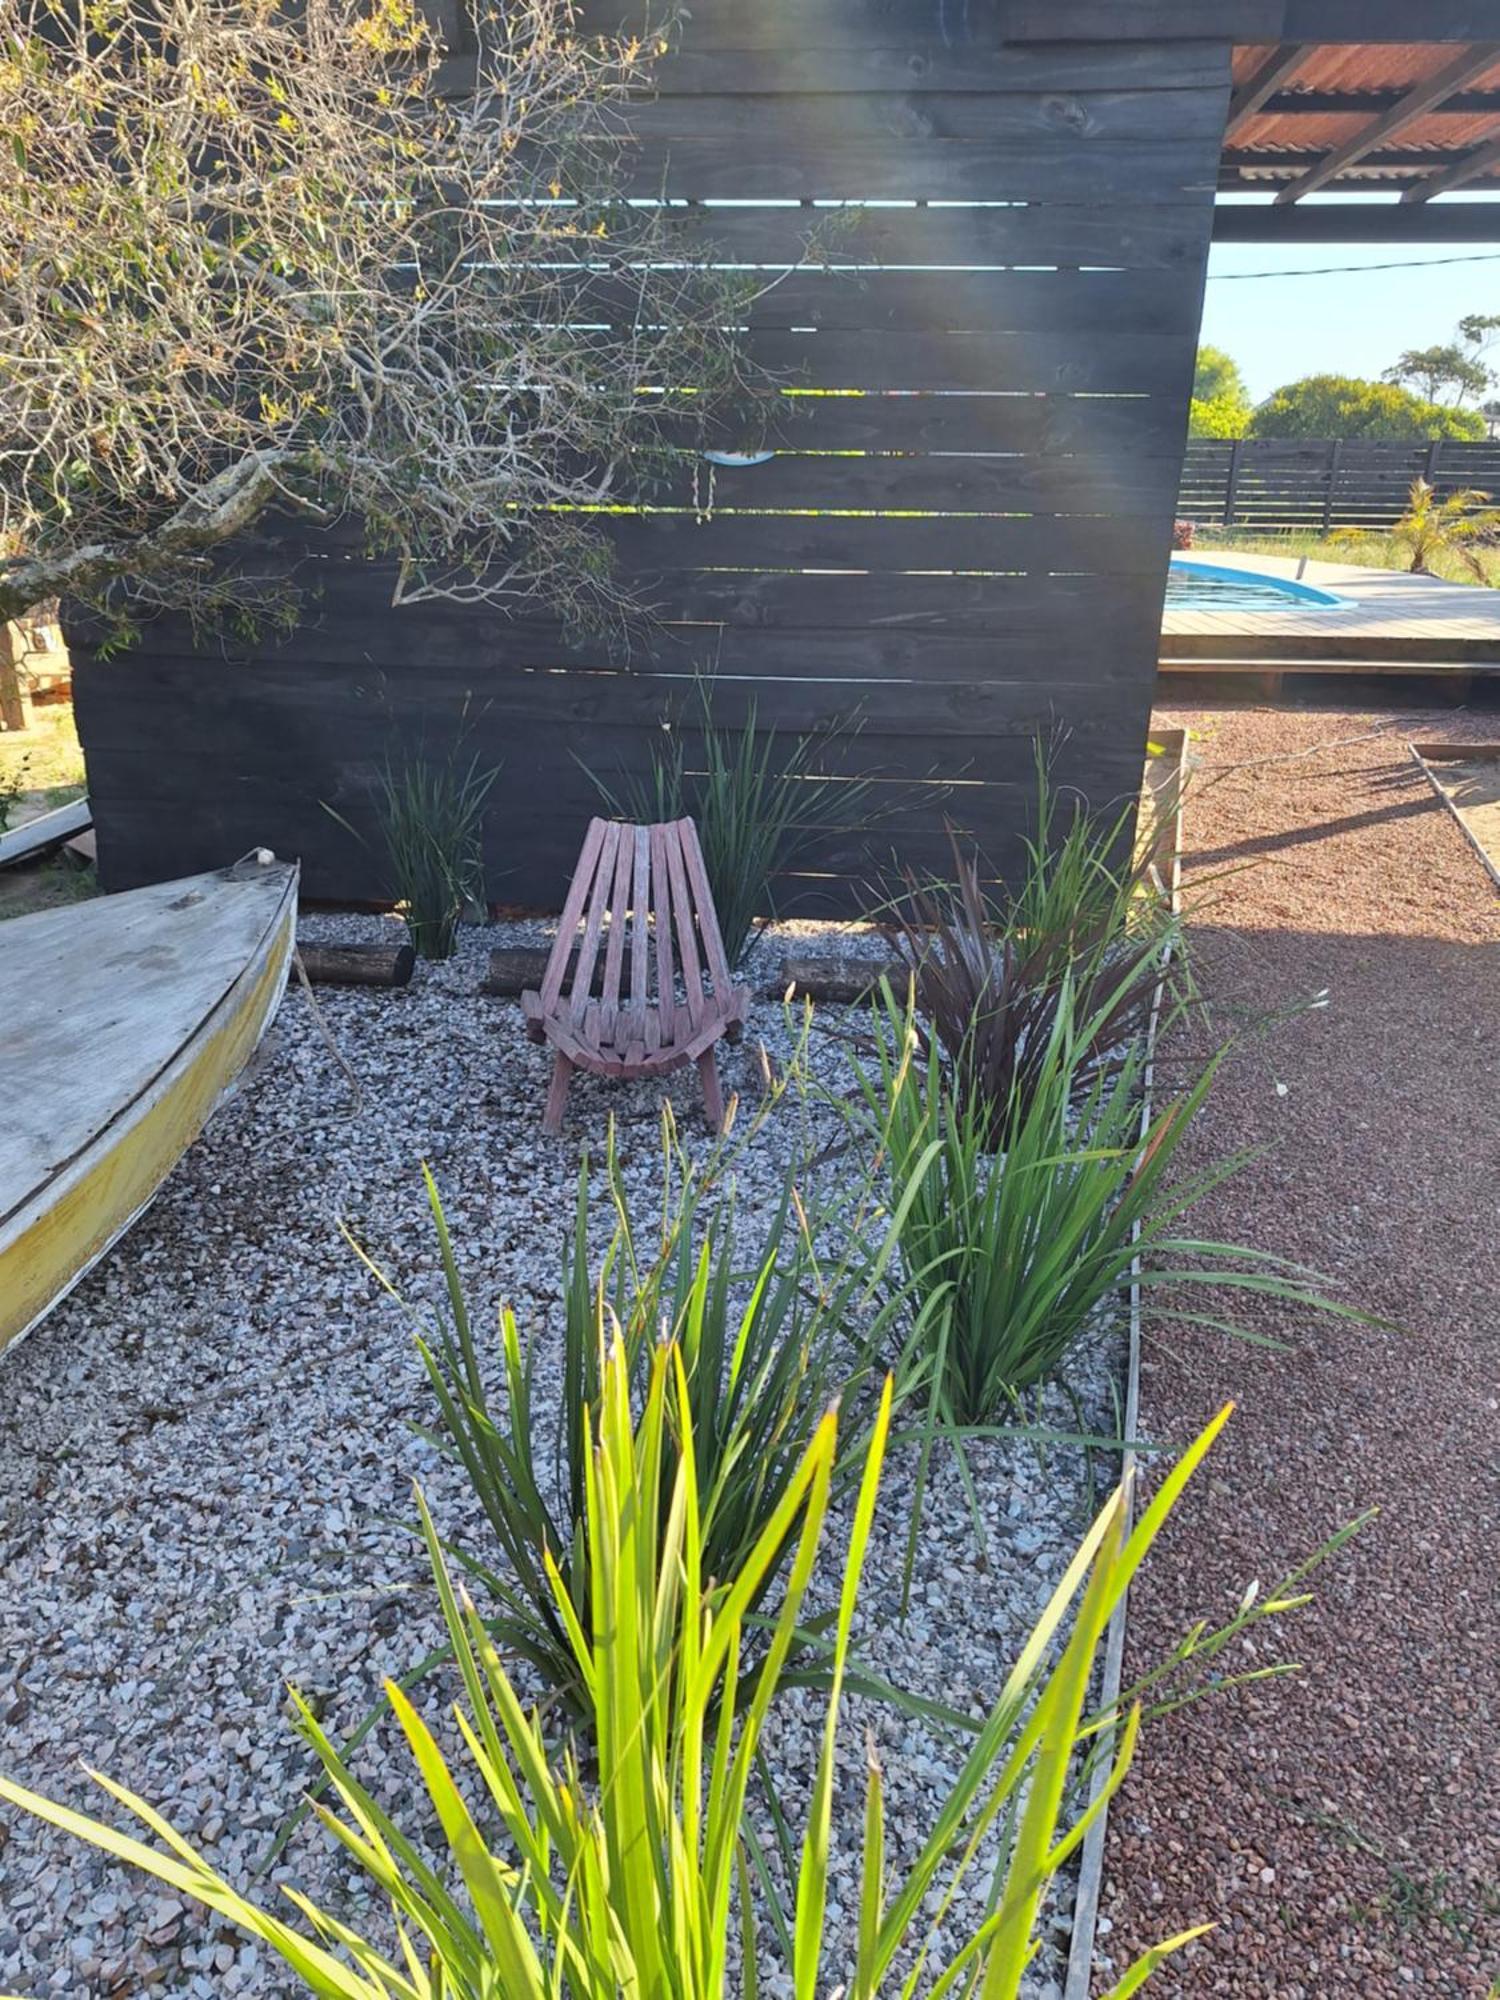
[[664, 995]]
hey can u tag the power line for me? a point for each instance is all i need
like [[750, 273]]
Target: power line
[[1341, 270]]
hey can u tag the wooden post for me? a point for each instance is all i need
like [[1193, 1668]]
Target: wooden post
[[1232, 484], [1335, 460], [12, 702]]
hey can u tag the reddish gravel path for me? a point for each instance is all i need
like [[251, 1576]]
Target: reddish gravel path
[[1343, 1830]]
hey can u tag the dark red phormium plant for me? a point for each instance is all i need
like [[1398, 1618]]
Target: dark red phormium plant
[[986, 982]]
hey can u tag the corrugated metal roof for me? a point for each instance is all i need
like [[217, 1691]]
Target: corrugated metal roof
[[1304, 119]]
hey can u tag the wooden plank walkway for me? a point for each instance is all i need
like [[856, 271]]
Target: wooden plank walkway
[[1393, 620]]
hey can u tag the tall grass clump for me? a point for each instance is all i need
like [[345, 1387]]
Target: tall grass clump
[[1015, 1235], [432, 822], [631, 1876], [757, 799], [430, 813], [771, 1332]]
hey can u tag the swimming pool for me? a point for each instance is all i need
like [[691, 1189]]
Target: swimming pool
[[1200, 586]]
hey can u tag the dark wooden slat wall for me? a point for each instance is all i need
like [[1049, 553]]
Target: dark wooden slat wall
[[967, 551]]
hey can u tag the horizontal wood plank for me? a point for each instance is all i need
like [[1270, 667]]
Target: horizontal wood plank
[[1076, 359], [1058, 423], [1111, 483], [1043, 232], [750, 52], [648, 541], [1008, 612], [794, 164], [926, 300], [990, 32], [1005, 118]]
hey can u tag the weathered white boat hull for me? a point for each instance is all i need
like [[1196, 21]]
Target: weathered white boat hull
[[120, 1032]]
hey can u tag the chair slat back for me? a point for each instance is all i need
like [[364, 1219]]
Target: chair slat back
[[567, 923], [661, 913], [588, 950], [642, 897], [619, 910], [708, 916], [640, 931], [681, 918]]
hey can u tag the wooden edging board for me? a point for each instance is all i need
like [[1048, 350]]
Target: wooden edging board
[[1428, 754], [49, 829], [1170, 757]]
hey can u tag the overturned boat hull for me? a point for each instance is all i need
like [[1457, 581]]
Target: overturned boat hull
[[123, 1024]]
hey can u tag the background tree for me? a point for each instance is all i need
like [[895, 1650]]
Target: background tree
[[1221, 402], [252, 257], [1456, 371], [1441, 374], [1343, 406]]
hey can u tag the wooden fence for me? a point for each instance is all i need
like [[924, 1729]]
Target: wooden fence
[[1321, 483], [966, 548]]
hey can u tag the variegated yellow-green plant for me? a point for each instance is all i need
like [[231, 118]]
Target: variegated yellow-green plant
[[633, 1880]]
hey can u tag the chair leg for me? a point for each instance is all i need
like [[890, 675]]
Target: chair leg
[[713, 1094], [557, 1095]]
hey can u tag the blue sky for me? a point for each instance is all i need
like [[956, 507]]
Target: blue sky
[[1352, 323]]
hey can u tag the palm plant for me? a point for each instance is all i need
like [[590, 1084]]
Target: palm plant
[[559, 1886], [1455, 527]]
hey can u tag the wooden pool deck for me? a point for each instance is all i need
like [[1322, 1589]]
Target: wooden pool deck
[[1394, 623]]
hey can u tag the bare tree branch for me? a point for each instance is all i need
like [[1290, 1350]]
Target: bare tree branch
[[250, 256]]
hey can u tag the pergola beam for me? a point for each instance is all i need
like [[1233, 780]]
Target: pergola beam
[[1412, 105], [1356, 22], [1469, 168], [1357, 222], [1277, 70]]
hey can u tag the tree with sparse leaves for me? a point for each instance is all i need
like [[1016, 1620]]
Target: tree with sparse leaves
[[1441, 374], [1454, 371], [256, 257]]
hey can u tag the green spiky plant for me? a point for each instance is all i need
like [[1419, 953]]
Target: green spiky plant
[[988, 969], [771, 1334], [757, 801], [1015, 1240], [430, 812], [633, 1879]]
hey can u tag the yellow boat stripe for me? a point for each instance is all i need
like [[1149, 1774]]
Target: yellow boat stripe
[[47, 1253]]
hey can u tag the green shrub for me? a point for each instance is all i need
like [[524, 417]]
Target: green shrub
[[988, 973], [561, 1885], [770, 1336], [431, 817], [1014, 1240], [757, 803], [432, 821]]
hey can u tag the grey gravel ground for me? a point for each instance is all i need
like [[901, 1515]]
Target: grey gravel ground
[[209, 1453]]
